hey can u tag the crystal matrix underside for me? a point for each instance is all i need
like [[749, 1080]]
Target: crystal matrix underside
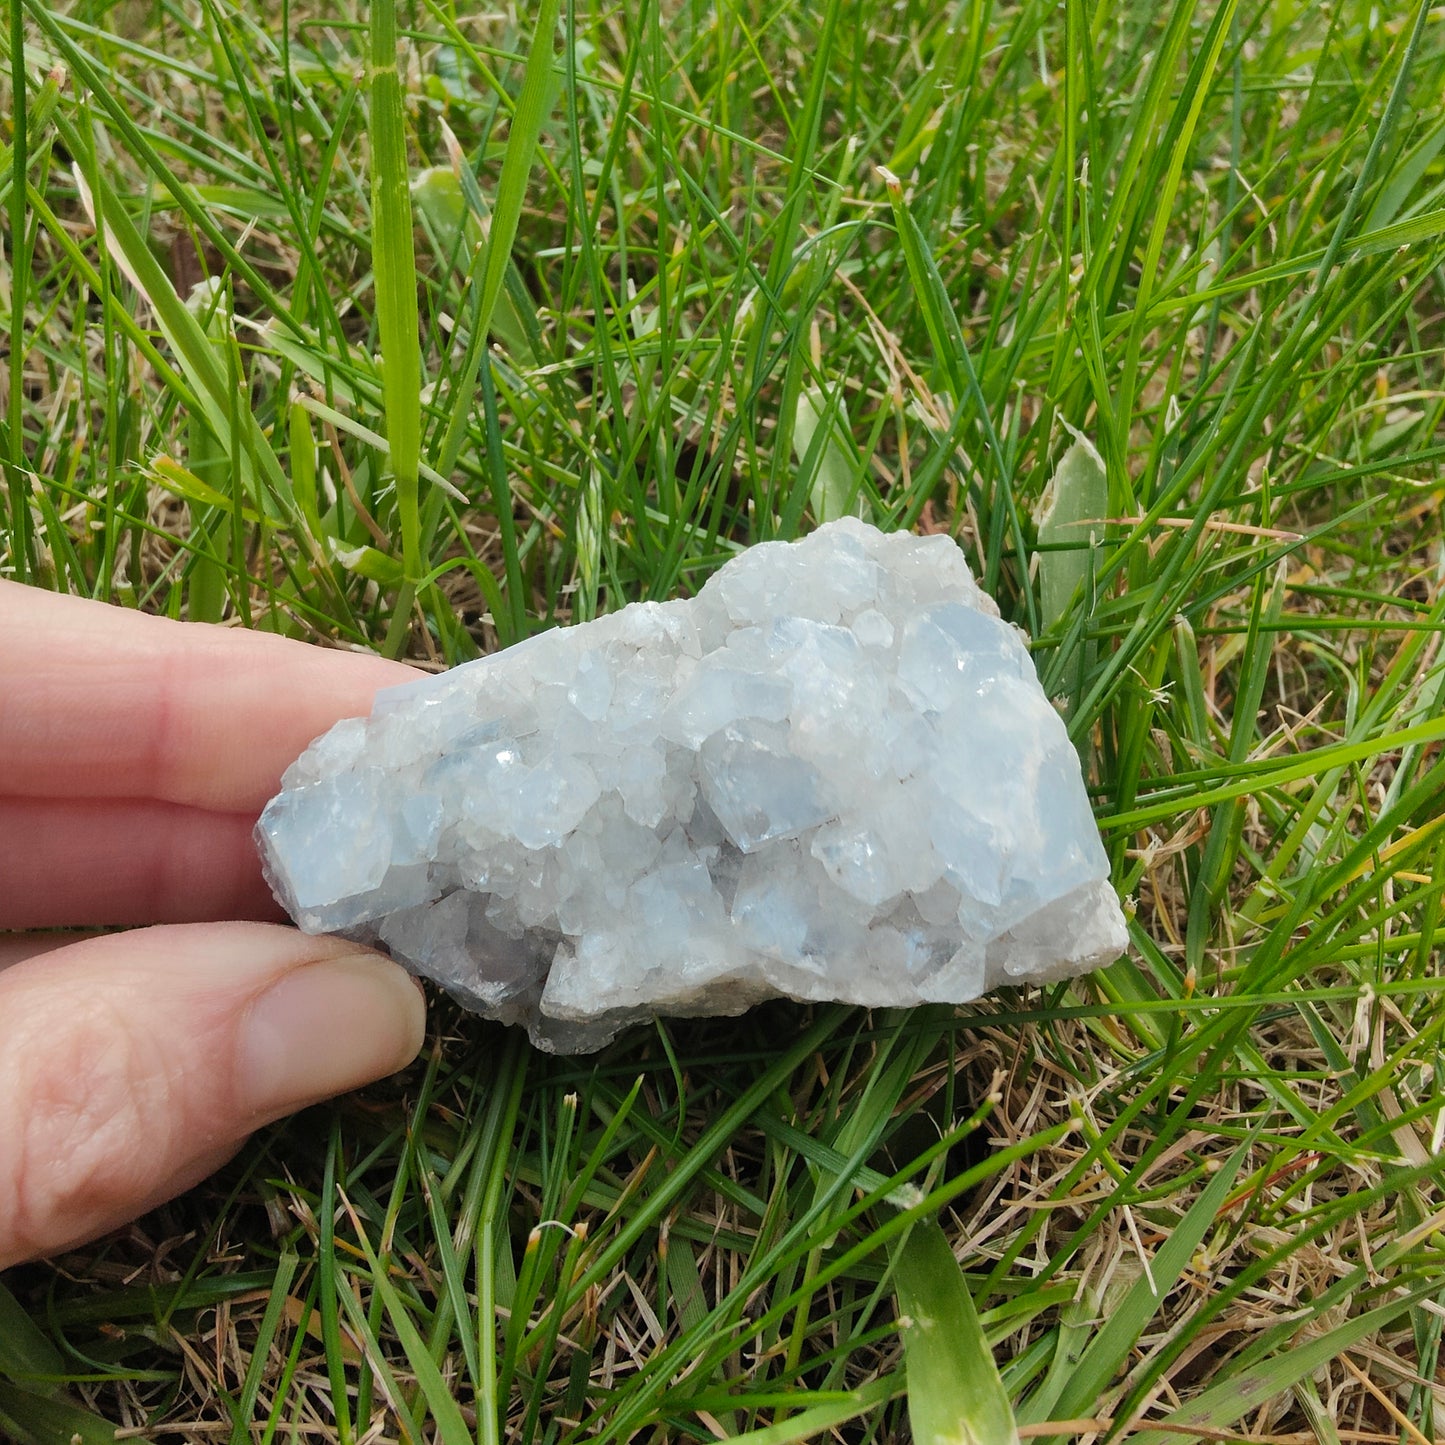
[[832, 775]]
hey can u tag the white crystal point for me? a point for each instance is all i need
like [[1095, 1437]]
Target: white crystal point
[[832, 775]]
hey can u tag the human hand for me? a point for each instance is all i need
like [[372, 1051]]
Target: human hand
[[135, 755]]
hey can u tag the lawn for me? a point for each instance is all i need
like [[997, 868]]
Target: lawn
[[422, 330]]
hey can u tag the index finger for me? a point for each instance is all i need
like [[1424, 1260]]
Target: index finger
[[100, 702]]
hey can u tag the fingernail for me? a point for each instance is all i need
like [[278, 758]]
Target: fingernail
[[325, 1028]]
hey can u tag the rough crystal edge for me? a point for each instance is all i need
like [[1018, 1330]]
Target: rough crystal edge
[[1099, 936]]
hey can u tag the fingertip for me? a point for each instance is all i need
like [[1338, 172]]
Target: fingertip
[[327, 1028]]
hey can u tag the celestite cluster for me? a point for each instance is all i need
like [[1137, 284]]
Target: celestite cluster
[[831, 775]]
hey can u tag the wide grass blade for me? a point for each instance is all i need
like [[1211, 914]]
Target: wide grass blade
[[26, 1355], [393, 259], [1070, 523], [33, 1408], [955, 1394], [829, 468], [29, 1419]]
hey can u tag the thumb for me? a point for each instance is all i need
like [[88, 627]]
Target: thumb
[[133, 1065]]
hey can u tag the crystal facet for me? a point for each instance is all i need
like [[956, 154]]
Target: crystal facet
[[832, 775]]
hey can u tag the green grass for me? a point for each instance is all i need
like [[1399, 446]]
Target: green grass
[[688, 277]]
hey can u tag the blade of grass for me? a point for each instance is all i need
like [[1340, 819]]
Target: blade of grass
[[328, 1267], [1220, 852], [828, 465], [1102, 1358], [245, 1413], [50, 1420], [1246, 1389], [955, 1395], [533, 107], [26, 1356], [952, 352], [1070, 530], [17, 473], [269, 490], [393, 261], [817, 1421]]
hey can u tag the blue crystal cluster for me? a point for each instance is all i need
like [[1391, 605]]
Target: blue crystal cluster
[[832, 775]]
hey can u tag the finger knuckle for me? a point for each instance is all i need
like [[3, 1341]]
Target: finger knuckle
[[84, 1113]]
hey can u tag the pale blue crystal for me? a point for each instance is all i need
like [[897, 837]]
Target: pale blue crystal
[[832, 775]]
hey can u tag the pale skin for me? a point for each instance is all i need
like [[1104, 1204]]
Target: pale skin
[[135, 755]]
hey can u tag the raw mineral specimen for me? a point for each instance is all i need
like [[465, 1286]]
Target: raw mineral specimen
[[831, 775]]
